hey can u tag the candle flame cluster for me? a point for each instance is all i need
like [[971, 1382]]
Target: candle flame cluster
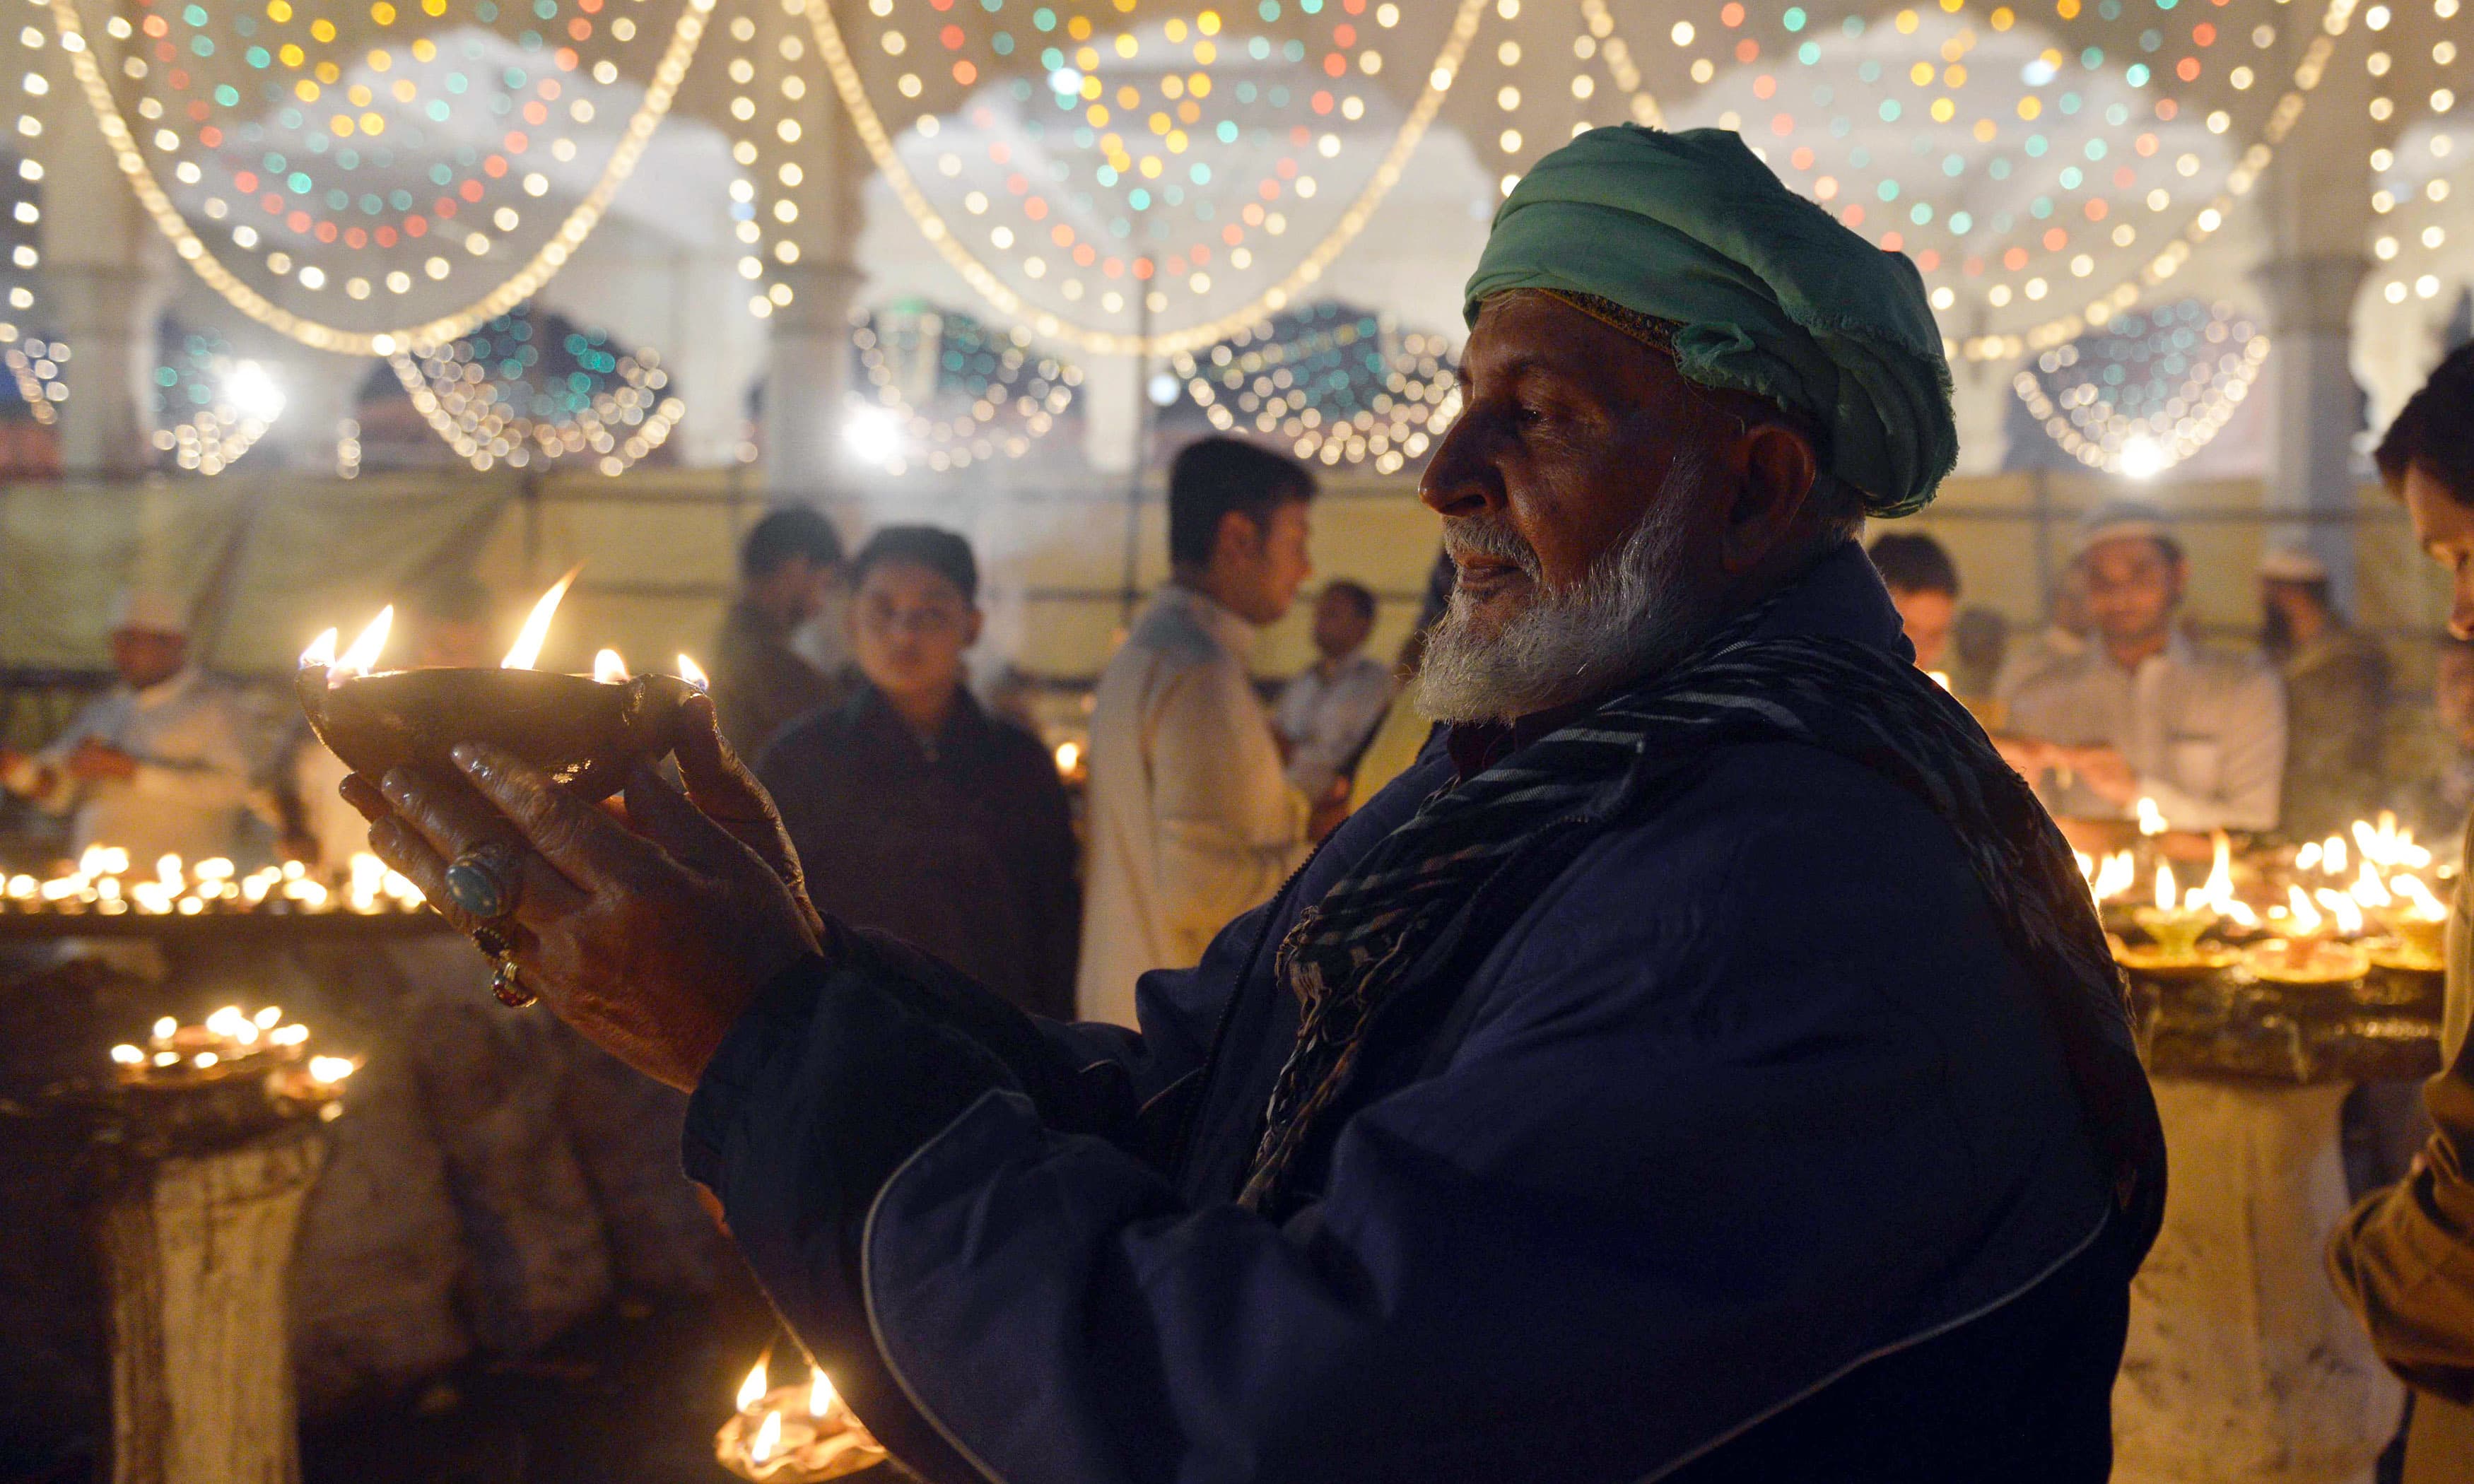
[[795, 1431], [231, 1043], [2360, 890], [361, 659], [103, 882]]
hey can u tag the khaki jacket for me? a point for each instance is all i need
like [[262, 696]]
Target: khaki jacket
[[2404, 1259]]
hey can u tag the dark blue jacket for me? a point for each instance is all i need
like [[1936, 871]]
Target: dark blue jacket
[[1745, 1153]]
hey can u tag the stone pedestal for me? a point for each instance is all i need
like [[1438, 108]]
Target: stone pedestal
[[196, 1249], [2241, 1367]]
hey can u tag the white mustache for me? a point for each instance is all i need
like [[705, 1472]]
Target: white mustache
[[1469, 536]]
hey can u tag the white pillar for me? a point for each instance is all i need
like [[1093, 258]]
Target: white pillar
[[1982, 399], [2319, 407], [2311, 208], [318, 392], [1114, 412], [107, 275], [807, 374], [808, 370]]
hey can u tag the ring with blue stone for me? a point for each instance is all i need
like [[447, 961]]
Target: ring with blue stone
[[482, 881]]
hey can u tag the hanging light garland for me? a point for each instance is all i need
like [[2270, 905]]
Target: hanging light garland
[[920, 362], [21, 198], [1971, 95], [521, 391], [2147, 392], [211, 407], [2414, 168], [768, 86], [35, 366], [1134, 164], [1338, 384], [205, 66]]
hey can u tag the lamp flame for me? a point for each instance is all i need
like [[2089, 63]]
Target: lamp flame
[[2114, 876], [2305, 917], [751, 1391], [321, 651], [768, 1436], [2369, 890], [2151, 818], [2331, 856], [694, 674], [2426, 907], [528, 643], [2167, 897], [608, 668], [821, 1393], [2221, 872], [363, 656], [2348, 915]]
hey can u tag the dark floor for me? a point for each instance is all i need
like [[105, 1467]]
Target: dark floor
[[632, 1395]]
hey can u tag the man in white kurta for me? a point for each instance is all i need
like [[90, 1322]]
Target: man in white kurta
[[2144, 713], [159, 764], [1192, 820]]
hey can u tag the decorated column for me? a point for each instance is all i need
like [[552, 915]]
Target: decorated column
[[2307, 284], [808, 176], [107, 275]]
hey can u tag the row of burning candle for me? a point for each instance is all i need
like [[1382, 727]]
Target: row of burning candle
[[2369, 890], [362, 656], [101, 882], [230, 1042]]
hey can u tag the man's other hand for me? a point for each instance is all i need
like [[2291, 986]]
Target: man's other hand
[[92, 762], [2027, 756], [2106, 773], [650, 937]]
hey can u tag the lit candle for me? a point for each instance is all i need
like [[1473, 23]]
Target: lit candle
[[536, 629]]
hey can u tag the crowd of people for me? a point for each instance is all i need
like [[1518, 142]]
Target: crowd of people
[[1444, 1089], [2121, 703]]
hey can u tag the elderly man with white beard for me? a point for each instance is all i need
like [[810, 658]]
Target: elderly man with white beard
[[1705, 1064]]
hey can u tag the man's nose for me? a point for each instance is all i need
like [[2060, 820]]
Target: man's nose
[[1458, 480]]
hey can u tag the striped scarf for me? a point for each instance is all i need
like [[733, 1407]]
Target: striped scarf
[[1352, 952]]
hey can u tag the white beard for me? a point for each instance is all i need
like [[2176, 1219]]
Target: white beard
[[1635, 613]]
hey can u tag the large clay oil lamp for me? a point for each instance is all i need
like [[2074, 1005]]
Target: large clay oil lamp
[[2173, 923], [584, 731], [2420, 918], [2312, 953]]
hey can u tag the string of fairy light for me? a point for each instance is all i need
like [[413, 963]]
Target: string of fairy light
[[1336, 385], [2414, 166], [210, 405], [1077, 161], [183, 53], [2148, 392], [945, 390], [520, 392]]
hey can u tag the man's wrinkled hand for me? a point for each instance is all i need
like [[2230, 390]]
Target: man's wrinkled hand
[[650, 937]]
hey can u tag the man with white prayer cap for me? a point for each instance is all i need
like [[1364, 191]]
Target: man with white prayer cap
[[2335, 696], [157, 765], [2144, 713], [1704, 1064]]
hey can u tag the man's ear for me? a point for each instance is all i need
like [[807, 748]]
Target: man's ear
[[1777, 471], [972, 626], [1238, 539]]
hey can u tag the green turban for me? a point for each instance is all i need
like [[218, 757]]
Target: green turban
[[1768, 293]]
